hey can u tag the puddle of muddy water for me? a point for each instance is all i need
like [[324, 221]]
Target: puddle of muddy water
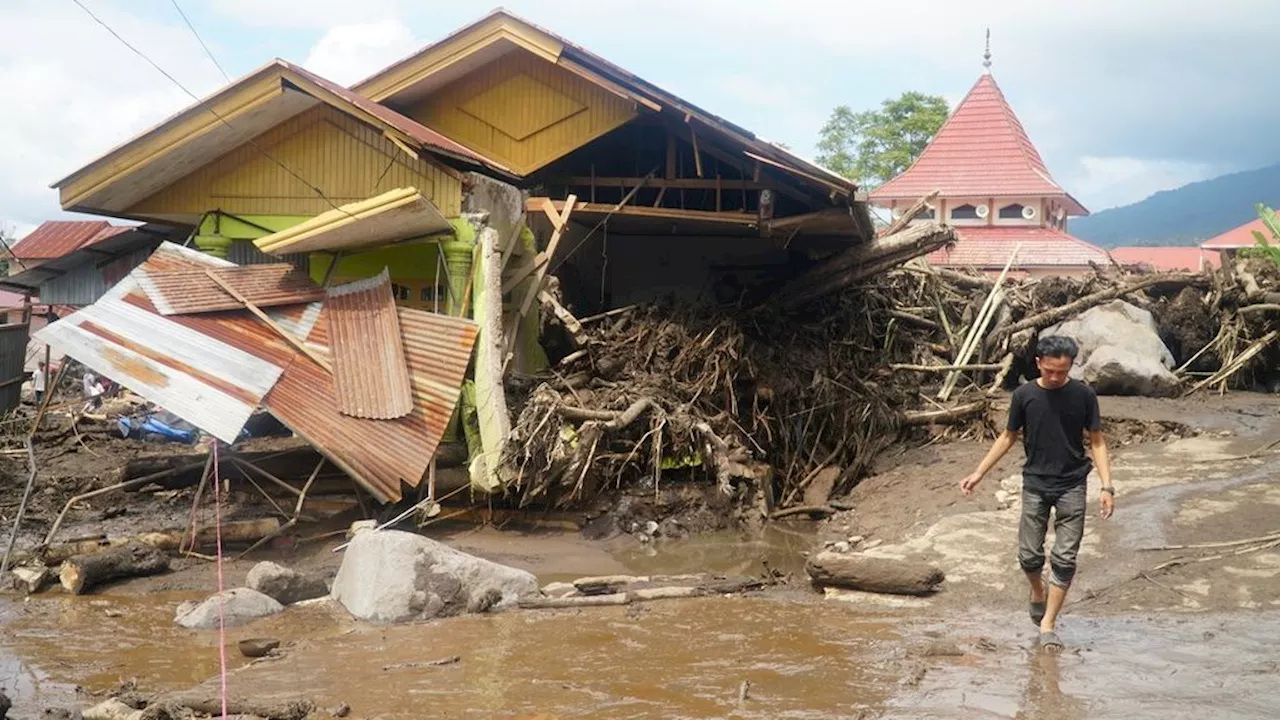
[[1206, 666], [52, 643]]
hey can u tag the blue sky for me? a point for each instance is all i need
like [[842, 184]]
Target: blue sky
[[1122, 98]]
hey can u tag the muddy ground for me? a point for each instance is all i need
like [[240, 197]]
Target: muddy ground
[[1194, 640]]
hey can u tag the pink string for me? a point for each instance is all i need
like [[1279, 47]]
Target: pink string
[[222, 620]]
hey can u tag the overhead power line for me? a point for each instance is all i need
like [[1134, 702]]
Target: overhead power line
[[211, 111], [200, 40]]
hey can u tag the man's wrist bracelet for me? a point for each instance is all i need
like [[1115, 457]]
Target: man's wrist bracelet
[[1109, 489]]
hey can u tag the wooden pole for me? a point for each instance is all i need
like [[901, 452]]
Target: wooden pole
[[980, 323], [288, 337]]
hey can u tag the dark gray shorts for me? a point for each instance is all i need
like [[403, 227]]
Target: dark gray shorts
[[1068, 508]]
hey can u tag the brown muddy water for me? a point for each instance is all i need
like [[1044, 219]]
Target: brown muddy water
[[799, 655]]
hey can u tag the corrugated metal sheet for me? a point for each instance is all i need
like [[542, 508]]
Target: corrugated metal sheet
[[378, 454], [394, 215], [180, 292], [370, 377], [13, 357], [212, 383], [381, 454], [244, 252], [55, 238], [85, 283]]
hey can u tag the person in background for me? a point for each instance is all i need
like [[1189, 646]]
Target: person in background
[[1053, 413], [92, 391], [38, 382]]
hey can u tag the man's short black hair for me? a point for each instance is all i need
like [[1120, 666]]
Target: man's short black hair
[[1057, 346]]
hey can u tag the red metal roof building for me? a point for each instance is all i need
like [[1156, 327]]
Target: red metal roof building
[[995, 190], [1237, 238], [55, 238], [1166, 259]]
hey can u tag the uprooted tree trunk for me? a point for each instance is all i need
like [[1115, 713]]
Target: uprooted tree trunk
[[873, 574], [864, 260], [82, 572], [209, 702]]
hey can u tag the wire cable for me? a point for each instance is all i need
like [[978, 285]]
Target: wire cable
[[200, 40], [211, 111]]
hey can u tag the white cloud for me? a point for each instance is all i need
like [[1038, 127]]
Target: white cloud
[[75, 92], [1103, 182], [348, 53], [305, 13]]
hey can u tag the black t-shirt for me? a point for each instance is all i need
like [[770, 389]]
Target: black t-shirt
[[1053, 423]]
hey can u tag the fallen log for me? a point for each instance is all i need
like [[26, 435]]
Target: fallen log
[[571, 325], [237, 532], [79, 573], [956, 414], [910, 213], [866, 259], [1060, 313], [210, 703], [872, 574], [971, 367], [572, 601]]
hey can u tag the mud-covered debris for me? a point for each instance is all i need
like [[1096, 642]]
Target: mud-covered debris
[[286, 585]]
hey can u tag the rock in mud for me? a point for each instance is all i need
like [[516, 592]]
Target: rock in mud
[[241, 606], [5, 704], [31, 580], [394, 576], [112, 709], [286, 585], [1121, 352]]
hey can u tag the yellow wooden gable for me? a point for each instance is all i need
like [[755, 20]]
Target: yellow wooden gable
[[522, 111], [344, 158]]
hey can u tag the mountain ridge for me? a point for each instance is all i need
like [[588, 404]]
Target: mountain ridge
[[1187, 215]]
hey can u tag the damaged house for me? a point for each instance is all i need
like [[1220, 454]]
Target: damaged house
[[338, 252]]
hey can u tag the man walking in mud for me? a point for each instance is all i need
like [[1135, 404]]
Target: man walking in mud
[[1052, 414]]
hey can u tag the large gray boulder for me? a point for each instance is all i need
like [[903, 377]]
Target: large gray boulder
[[240, 606], [392, 576], [1121, 352], [286, 585]]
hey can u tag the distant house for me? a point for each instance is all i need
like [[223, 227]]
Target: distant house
[[1166, 259], [64, 264], [995, 190], [1231, 241]]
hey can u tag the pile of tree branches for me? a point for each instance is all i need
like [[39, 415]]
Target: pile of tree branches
[[766, 398]]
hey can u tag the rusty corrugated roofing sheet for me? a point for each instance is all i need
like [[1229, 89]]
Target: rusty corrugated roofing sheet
[[212, 383], [55, 238], [377, 454], [380, 454], [370, 378], [184, 291]]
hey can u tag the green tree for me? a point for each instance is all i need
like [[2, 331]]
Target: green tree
[[1265, 249], [872, 146]]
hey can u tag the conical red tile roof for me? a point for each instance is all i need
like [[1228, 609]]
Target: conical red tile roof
[[981, 151]]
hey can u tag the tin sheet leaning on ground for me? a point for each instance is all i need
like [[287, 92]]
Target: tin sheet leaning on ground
[[192, 291], [370, 378], [213, 384], [378, 454]]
